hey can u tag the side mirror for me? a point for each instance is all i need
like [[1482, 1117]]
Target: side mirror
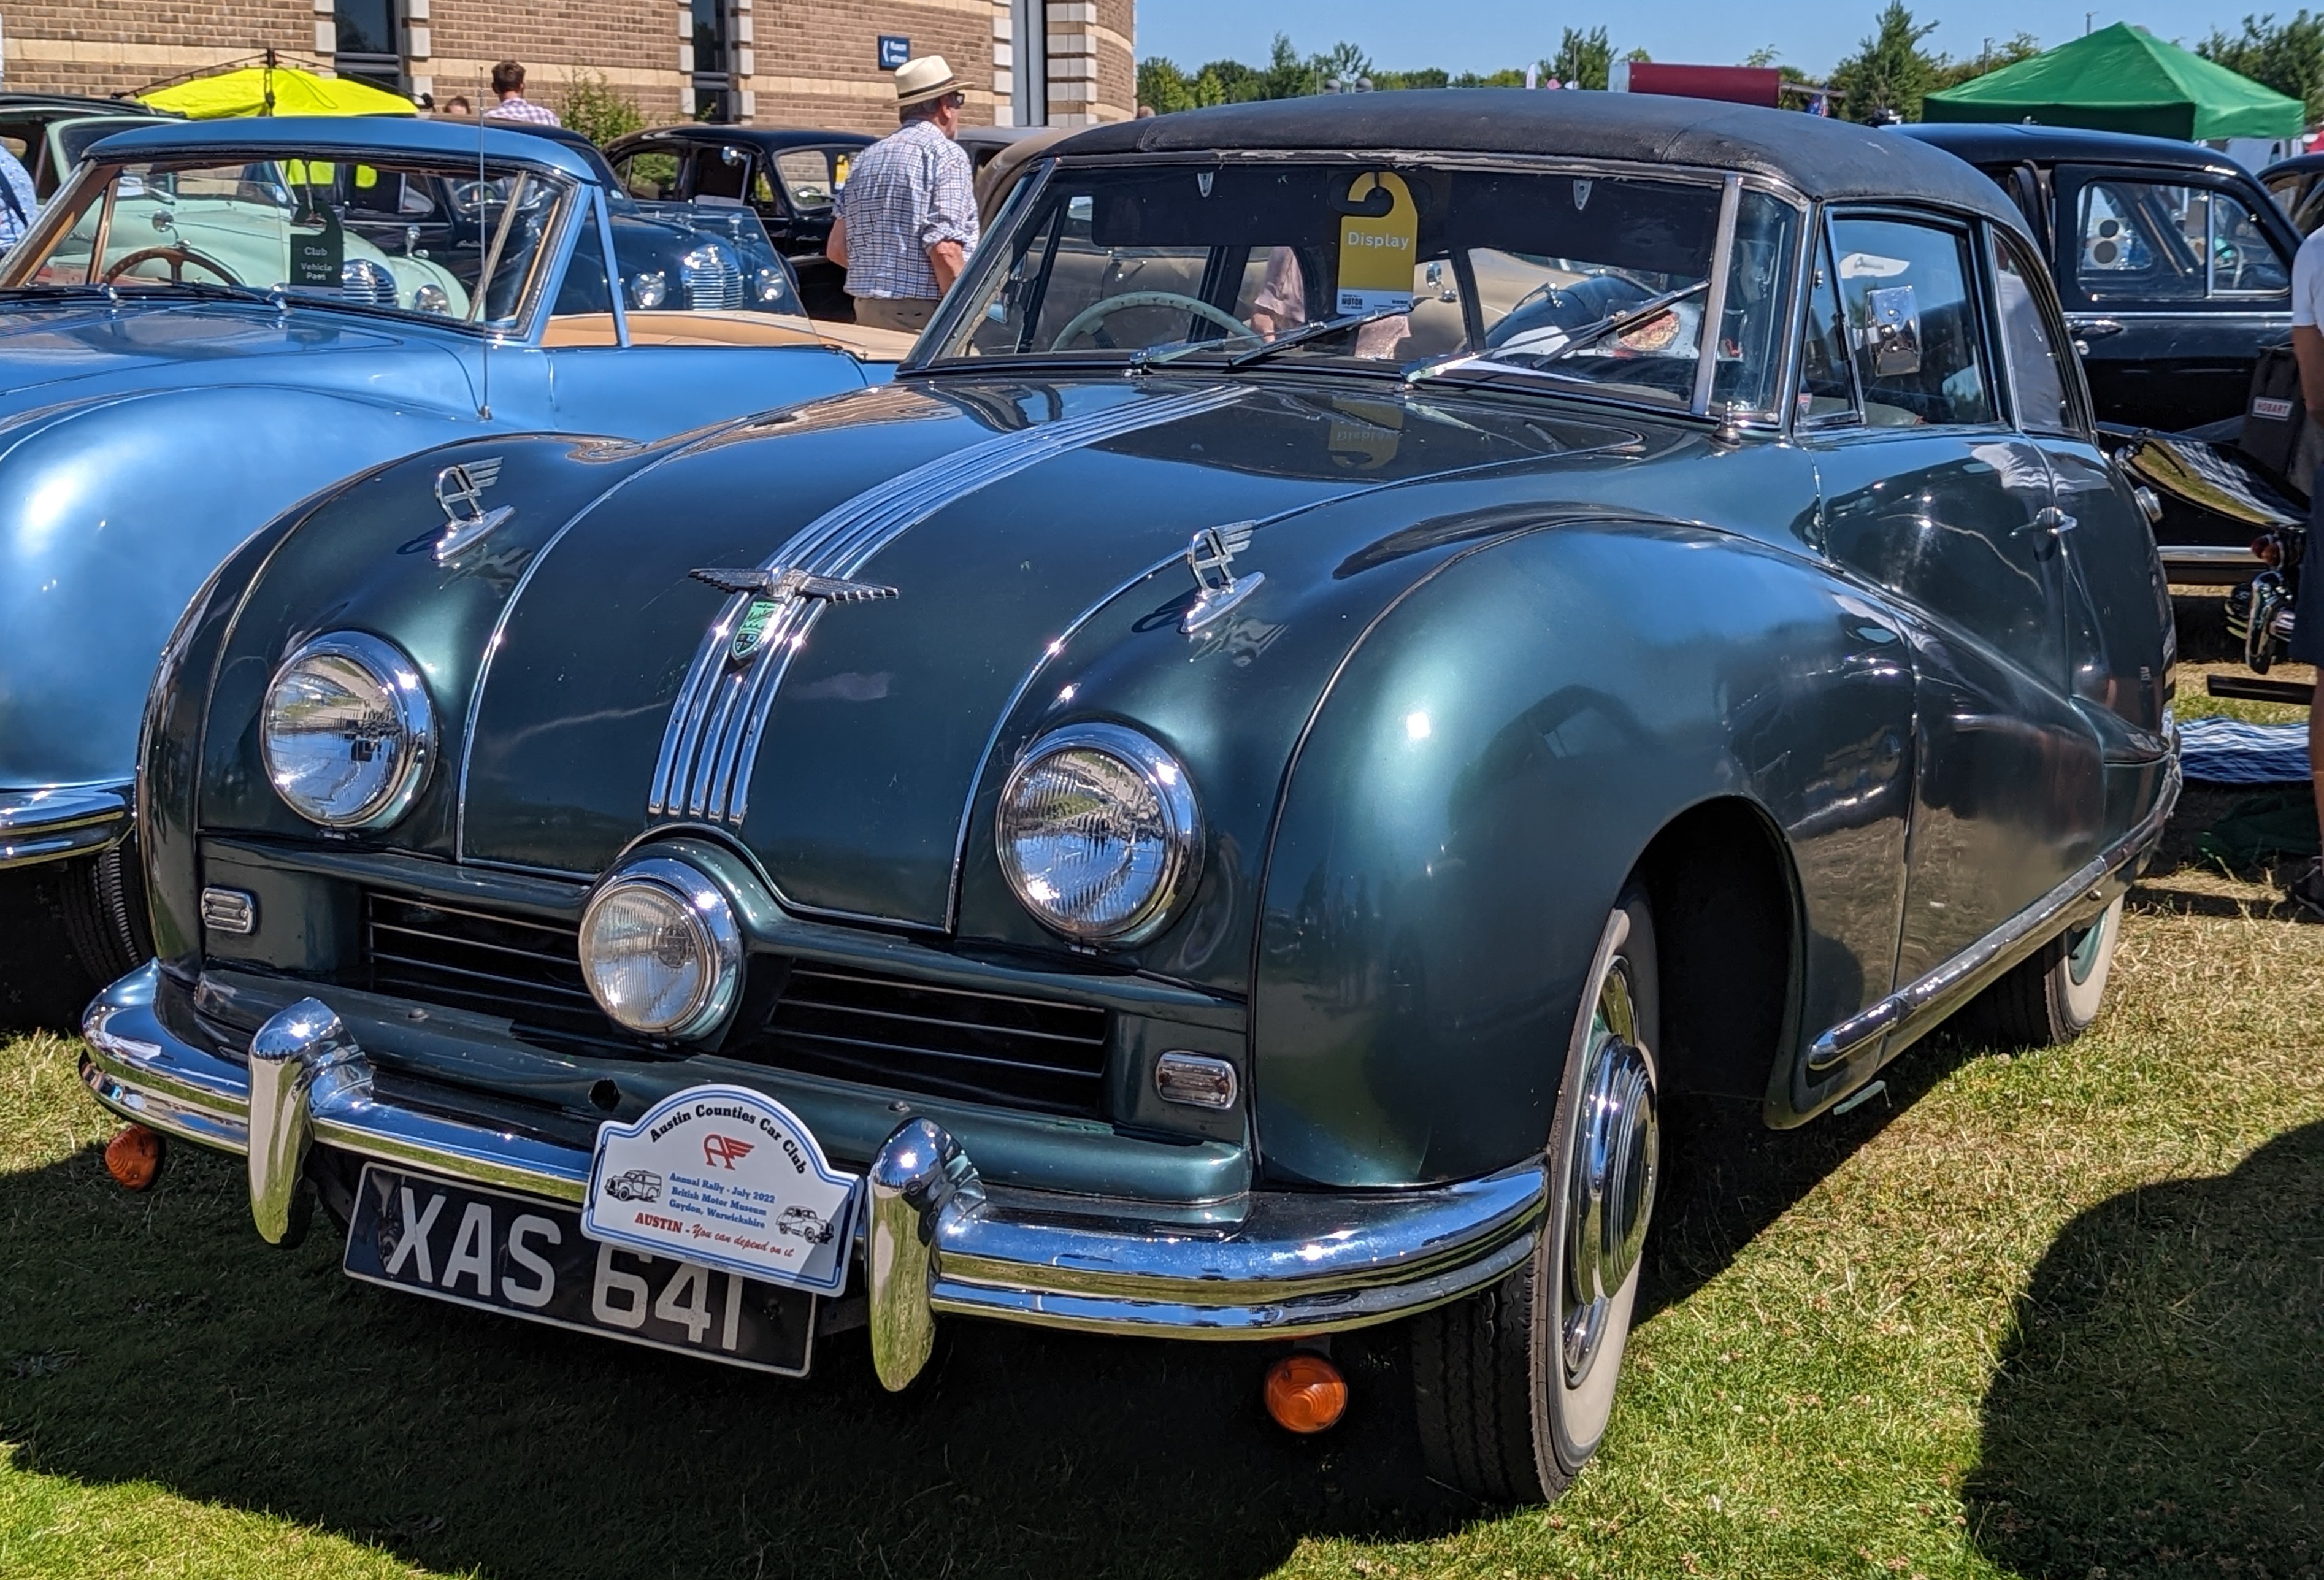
[[731, 154], [1892, 331]]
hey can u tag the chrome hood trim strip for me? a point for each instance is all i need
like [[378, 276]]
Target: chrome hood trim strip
[[719, 718]]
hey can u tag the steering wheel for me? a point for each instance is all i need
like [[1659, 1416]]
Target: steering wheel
[[1089, 316], [178, 258]]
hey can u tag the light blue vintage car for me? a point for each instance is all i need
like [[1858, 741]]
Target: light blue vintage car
[[213, 321]]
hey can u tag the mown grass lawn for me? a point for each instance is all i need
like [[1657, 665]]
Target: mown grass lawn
[[2058, 1313]]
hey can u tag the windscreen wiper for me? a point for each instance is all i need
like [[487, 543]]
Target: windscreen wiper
[[1314, 332], [1612, 323]]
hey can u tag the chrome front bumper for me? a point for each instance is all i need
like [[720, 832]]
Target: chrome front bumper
[[51, 823], [936, 1238]]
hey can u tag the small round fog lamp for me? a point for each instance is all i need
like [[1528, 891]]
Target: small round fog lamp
[[660, 950]]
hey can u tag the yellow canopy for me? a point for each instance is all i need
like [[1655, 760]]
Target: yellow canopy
[[276, 90]]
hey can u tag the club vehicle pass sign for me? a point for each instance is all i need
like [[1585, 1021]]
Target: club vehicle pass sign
[[725, 1177]]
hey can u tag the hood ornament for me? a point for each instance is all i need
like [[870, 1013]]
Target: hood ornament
[[459, 489], [1209, 557], [775, 588]]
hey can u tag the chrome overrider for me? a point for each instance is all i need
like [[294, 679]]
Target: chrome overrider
[[937, 1239], [54, 822]]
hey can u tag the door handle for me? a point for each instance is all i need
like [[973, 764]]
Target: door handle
[[2049, 518], [2095, 328]]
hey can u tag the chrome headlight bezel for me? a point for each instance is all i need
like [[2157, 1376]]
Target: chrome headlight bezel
[[713, 932], [413, 716], [1179, 813]]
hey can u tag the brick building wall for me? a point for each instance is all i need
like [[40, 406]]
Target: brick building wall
[[796, 62]]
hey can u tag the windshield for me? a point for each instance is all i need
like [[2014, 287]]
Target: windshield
[[1455, 273], [437, 242]]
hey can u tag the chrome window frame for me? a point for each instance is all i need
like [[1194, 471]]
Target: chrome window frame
[[63, 208], [2080, 423], [1967, 225]]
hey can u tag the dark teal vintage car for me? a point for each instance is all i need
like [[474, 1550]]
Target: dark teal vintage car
[[1371, 644]]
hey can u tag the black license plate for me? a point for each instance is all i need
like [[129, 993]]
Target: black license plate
[[524, 1257]]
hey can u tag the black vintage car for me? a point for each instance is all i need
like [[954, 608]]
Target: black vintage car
[[2174, 265], [2297, 185], [790, 178]]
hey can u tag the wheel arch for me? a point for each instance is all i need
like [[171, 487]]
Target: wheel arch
[[1498, 756]]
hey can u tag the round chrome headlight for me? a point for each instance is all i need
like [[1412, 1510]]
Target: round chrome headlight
[[1098, 834], [348, 733], [430, 298], [660, 948], [649, 289]]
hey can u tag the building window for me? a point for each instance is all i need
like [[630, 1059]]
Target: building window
[[1029, 53], [714, 61], [367, 46]]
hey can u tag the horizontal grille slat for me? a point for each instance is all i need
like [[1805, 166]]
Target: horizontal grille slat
[[892, 1033]]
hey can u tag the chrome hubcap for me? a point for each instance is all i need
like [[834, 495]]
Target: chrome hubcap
[[1616, 1147], [2083, 951]]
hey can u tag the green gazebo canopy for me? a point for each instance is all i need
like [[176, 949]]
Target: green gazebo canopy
[[2121, 79]]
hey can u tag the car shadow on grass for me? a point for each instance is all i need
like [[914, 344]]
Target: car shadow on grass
[[155, 1339], [2159, 1408]]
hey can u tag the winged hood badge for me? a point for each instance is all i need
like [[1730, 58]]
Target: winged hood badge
[[459, 490], [775, 588]]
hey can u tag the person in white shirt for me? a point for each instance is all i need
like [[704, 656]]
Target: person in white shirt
[[2307, 644]]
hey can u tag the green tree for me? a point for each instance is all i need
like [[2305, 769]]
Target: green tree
[[1285, 75], [1890, 72], [1163, 85], [1583, 59], [592, 105], [1952, 73], [2288, 57], [1344, 63]]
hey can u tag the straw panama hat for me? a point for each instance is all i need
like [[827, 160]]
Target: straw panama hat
[[927, 77]]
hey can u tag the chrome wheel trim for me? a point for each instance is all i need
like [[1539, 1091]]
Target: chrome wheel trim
[[1609, 1189], [2078, 986]]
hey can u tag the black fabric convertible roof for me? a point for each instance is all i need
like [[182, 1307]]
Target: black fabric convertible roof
[[1822, 157]]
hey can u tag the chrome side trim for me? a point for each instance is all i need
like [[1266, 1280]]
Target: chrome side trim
[[937, 1239], [1912, 1008], [2224, 556], [50, 824], [719, 718]]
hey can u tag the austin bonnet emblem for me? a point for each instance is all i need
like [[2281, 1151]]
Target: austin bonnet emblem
[[777, 587], [459, 489]]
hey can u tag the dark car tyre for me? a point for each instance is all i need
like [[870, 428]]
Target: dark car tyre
[[2053, 995], [102, 898], [1514, 1384]]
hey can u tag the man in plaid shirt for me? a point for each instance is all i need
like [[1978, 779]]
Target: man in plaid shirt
[[508, 81], [908, 215]]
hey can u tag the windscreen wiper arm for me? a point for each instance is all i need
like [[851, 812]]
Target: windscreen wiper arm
[[1612, 323], [1314, 332]]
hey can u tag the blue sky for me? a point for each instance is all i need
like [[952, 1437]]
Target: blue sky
[[1466, 35]]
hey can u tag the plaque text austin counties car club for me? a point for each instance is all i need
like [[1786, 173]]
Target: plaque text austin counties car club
[[729, 1178]]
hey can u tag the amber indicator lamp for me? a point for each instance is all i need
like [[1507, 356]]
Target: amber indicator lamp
[[1306, 1393], [134, 1157]]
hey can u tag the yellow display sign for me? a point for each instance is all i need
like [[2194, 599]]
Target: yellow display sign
[[1377, 250]]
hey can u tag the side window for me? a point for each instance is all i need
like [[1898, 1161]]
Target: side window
[[648, 175], [1825, 389], [2244, 261], [2141, 241], [1913, 322], [721, 175], [2037, 366], [807, 177]]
